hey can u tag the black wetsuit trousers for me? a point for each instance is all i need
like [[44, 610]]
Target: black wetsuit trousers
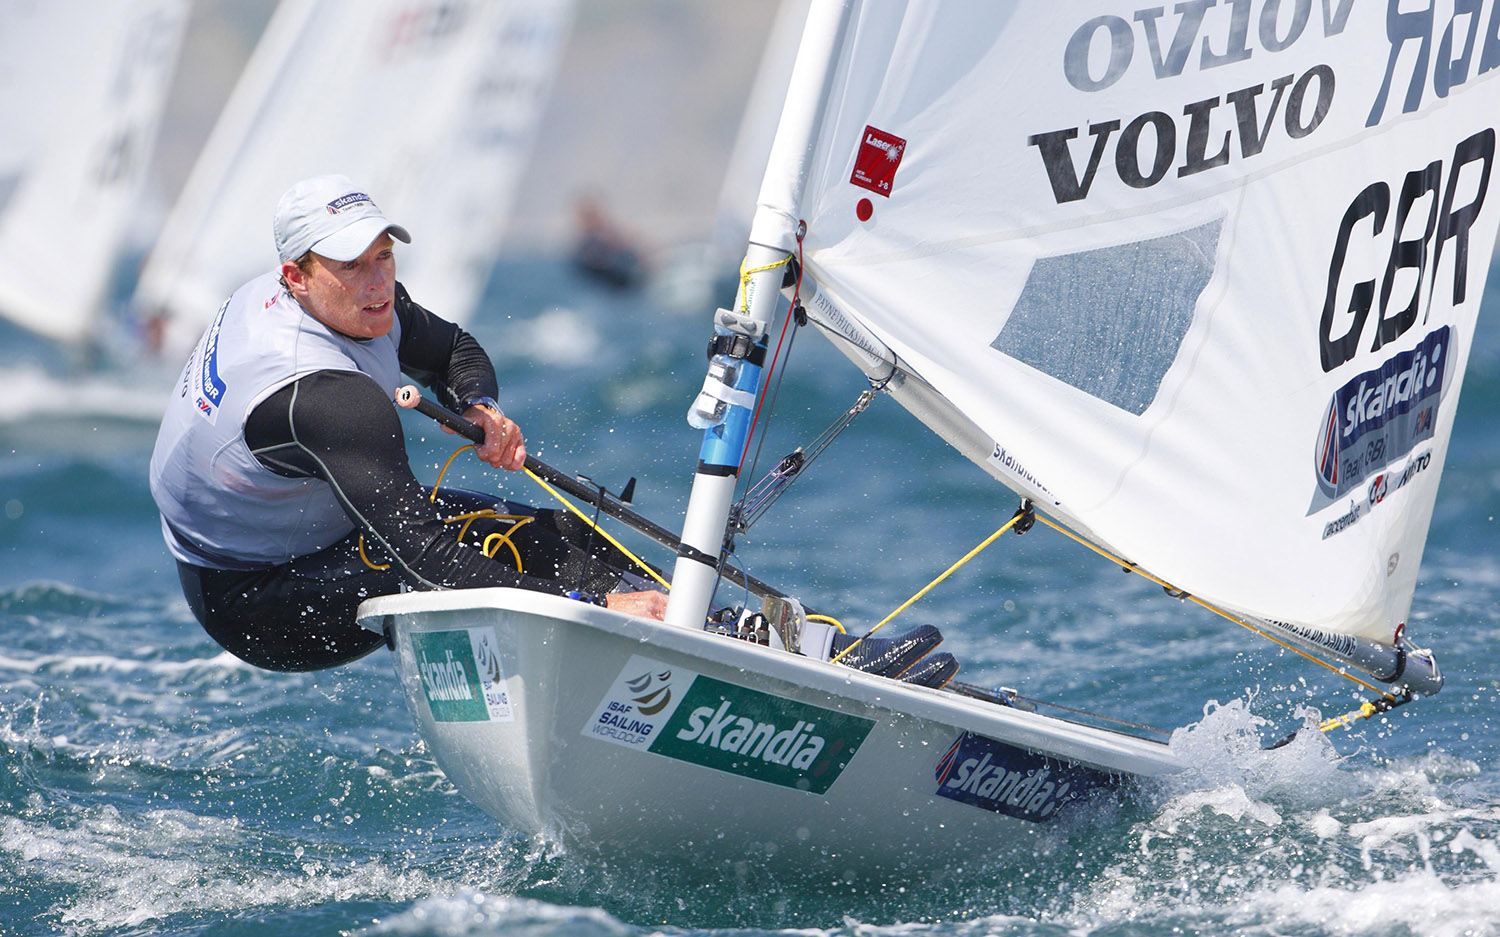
[[301, 615]]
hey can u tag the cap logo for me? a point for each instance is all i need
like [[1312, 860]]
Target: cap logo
[[344, 201]]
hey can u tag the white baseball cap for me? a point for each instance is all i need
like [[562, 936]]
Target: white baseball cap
[[330, 216]]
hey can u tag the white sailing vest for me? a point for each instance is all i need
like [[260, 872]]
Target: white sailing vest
[[220, 507]]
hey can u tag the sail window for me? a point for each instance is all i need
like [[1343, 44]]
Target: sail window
[[1110, 321]]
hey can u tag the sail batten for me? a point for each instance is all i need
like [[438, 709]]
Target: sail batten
[[1209, 286]]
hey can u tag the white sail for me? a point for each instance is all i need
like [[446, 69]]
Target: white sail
[[431, 104], [1201, 280], [82, 86]]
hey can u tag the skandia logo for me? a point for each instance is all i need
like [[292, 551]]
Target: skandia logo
[[1004, 459], [445, 680], [461, 675], [1029, 792], [723, 729], [345, 201], [992, 775], [690, 717], [1379, 416]]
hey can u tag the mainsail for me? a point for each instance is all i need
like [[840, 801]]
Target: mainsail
[[1199, 280], [431, 104], [82, 87]]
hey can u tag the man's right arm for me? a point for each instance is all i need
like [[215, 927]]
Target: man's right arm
[[339, 426]]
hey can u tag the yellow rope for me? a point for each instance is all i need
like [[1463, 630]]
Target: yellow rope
[[828, 620], [1365, 711], [367, 561], [1387, 700], [565, 502], [433, 495], [929, 587], [745, 276], [490, 550], [600, 530], [1212, 608]]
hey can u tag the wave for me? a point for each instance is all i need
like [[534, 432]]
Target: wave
[[127, 870], [130, 396], [1299, 840], [47, 596]]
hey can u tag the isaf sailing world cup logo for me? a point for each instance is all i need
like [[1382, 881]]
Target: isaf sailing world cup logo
[[655, 691], [690, 717]]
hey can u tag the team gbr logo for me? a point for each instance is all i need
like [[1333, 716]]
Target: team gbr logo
[[1377, 418], [208, 388], [690, 717]]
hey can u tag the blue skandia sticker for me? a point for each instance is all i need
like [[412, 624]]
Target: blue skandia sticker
[[1380, 416], [995, 776]]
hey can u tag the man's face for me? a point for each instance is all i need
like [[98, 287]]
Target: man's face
[[355, 297]]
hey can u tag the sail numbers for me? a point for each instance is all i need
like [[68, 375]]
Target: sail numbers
[[1449, 214]]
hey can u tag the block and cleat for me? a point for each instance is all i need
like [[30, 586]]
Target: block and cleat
[[887, 657], [932, 671]]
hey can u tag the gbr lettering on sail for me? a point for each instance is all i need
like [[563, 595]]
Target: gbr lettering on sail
[[1429, 51]]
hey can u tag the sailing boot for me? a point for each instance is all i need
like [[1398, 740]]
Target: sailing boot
[[934, 670], [888, 657]]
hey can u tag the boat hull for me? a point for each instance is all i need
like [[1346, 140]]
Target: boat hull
[[615, 735]]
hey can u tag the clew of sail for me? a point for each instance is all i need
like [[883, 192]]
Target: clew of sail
[[1200, 280], [82, 87], [432, 104]]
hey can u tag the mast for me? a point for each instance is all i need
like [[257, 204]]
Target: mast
[[733, 381]]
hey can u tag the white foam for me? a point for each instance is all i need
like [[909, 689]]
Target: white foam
[[474, 912], [1422, 904], [1226, 748], [125, 870], [105, 663], [1296, 840]]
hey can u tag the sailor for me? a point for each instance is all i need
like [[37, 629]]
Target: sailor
[[280, 469]]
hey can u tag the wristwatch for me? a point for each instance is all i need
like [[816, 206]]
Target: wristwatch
[[484, 402]]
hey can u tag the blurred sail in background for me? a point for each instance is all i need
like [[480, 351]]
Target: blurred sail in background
[[702, 272], [82, 87], [432, 105], [752, 145]]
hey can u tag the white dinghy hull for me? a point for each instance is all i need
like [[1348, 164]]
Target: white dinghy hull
[[614, 735]]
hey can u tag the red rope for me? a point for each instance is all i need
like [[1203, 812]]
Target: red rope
[[766, 378]]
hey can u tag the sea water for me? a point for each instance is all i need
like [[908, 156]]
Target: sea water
[[152, 784]]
